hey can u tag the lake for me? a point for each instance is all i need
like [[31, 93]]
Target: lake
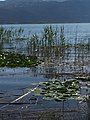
[[14, 82], [81, 30]]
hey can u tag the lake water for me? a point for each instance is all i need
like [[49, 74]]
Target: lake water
[[13, 82], [81, 30]]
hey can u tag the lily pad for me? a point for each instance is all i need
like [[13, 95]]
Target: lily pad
[[83, 79], [57, 90]]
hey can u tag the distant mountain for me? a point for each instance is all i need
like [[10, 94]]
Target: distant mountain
[[44, 11]]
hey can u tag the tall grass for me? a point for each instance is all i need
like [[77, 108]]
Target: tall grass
[[50, 43], [7, 35]]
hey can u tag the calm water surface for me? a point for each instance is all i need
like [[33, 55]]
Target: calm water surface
[[12, 80], [81, 30]]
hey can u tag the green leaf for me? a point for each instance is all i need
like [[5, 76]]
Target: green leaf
[[38, 91]]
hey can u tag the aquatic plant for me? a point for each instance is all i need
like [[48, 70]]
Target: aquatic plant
[[18, 34], [50, 40], [48, 35], [8, 35], [62, 36], [83, 79], [58, 91], [33, 44], [68, 89], [85, 84], [8, 59]]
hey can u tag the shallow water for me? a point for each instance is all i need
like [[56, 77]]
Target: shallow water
[[15, 78], [14, 82], [71, 30]]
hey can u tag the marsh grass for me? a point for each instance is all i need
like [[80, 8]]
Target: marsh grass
[[51, 45], [7, 36], [51, 40]]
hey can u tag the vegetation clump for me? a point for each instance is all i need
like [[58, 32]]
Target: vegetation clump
[[58, 91], [9, 59], [84, 79]]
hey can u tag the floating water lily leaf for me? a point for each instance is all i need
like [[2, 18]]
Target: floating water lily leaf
[[38, 91], [83, 79], [8, 59], [66, 95], [74, 95], [60, 98], [48, 95], [58, 90], [44, 83]]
